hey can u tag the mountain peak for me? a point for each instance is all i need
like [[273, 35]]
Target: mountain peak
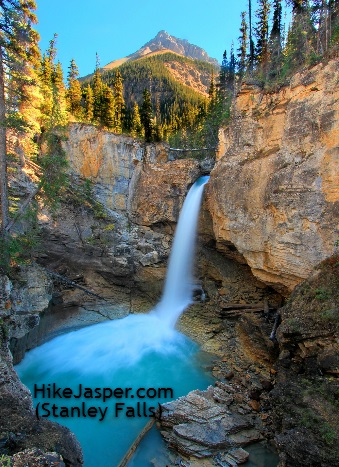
[[162, 33], [163, 41]]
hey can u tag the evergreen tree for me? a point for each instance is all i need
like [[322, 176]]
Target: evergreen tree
[[136, 126], [18, 45], [325, 15], [108, 113], [232, 69], [261, 31], [46, 71], [74, 93], [334, 21], [53, 107], [89, 104], [59, 110], [223, 76], [119, 102], [277, 15], [300, 38], [212, 92], [275, 42], [146, 115], [242, 50], [251, 55], [298, 6], [97, 92]]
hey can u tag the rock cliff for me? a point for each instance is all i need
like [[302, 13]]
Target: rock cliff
[[270, 215], [121, 247], [305, 396], [22, 300], [274, 192]]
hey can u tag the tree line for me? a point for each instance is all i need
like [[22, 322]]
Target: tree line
[[271, 51], [268, 54]]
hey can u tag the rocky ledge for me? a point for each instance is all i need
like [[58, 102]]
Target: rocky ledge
[[201, 423], [22, 300]]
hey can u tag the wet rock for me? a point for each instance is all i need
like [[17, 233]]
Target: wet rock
[[206, 166], [198, 425], [20, 430]]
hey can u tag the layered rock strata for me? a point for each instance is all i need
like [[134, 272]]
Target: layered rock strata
[[196, 426]]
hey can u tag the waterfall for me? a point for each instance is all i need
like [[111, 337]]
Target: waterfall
[[138, 351], [178, 289]]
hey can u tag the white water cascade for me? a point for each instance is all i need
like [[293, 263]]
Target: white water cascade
[[139, 351], [178, 290]]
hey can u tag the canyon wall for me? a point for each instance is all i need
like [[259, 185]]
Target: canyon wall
[[108, 160], [23, 300], [270, 215], [274, 192]]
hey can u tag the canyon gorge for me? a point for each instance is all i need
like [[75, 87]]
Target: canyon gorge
[[267, 256]]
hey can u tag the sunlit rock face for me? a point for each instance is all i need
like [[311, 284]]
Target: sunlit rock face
[[274, 191], [141, 192], [108, 160]]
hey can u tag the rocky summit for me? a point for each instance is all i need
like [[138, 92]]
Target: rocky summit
[[164, 42]]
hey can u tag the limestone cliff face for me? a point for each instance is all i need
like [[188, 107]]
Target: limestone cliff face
[[141, 192], [274, 192], [158, 190], [108, 160]]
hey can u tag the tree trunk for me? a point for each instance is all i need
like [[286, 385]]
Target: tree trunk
[[3, 155], [3, 166]]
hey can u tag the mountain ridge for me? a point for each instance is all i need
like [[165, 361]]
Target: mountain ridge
[[164, 42]]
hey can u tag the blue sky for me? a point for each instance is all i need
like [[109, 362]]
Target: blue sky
[[115, 29]]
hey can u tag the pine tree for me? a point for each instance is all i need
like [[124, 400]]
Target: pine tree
[[223, 76], [251, 55], [118, 90], [89, 103], [46, 71], [298, 6], [334, 21], [242, 50], [146, 115], [277, 15], [74, 93], [301, 36], [261, 31], [136, 126], [108, 113], [275, 42], [97, 92], [53, 107], [59, 110], [212, 92], [18, 44], [232, 69]]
